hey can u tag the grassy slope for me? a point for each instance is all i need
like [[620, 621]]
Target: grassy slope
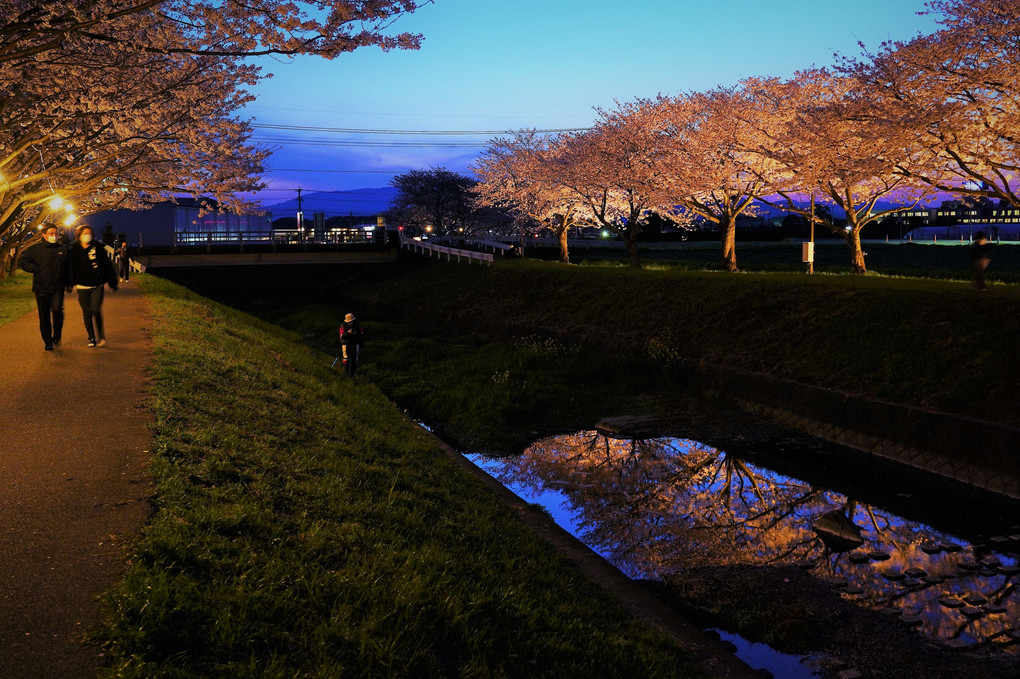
[[932, 343], [16, 298], [304, 528], [490, 396]]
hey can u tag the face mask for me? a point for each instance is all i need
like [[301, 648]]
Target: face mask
[[86, 238], [51, 239]]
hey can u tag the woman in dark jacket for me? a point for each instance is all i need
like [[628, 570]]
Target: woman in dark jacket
[[88, 270]]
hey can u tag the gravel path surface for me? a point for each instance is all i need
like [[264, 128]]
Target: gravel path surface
[[75, 439]]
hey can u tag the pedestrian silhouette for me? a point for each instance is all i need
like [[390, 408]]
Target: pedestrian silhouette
[[980, 257]]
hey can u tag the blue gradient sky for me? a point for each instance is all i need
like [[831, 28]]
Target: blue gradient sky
[[487, 66]]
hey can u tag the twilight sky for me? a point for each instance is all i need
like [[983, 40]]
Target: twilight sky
[[487, 66]]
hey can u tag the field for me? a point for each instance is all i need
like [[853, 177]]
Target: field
[[926, 260]]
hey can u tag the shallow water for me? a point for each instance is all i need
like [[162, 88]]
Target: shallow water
[[655, 507]]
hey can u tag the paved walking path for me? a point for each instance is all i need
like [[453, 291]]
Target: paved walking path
[[74, 443]]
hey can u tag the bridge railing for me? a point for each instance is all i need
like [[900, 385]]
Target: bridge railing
[[430, 249], [135, 265]]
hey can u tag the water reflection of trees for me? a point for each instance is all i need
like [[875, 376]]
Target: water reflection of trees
[[658, 506]]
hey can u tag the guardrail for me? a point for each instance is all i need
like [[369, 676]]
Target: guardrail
[[429, 249], [135, 266], [494, 244]]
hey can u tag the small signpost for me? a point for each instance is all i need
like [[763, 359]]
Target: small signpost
[[808, 249]]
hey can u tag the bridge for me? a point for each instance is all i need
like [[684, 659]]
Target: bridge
[[239, 251], [186, 258]]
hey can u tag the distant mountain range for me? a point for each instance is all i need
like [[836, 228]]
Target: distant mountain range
[[358, 202]]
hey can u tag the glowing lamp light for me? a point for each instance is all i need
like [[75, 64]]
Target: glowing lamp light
[[56, 202], [70, 219]]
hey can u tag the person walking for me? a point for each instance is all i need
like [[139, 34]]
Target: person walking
[[46, 261], [980, 257], [124, 260], [88, 270], [352, 336]]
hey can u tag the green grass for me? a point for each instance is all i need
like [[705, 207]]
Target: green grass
[[16, 297], [303, 527], [930, 343], [491, 396], [948, 262]]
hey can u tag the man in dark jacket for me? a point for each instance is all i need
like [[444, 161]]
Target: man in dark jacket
[[46, 262]]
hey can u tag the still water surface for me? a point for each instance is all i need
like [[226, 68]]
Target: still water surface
[[657, 506]]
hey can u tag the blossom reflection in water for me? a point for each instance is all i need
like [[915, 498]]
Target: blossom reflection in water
[[657, 506]]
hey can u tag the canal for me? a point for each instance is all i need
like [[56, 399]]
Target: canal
[[944, 566]]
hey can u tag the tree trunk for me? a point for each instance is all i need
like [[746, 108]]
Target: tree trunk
[[729, 243], [6, 260], [564, 254], [630, 238], [853, 239]]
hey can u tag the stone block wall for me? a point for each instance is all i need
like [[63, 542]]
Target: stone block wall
[[983, 454]]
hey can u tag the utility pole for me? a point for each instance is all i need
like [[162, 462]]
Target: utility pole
[[811, 249], [300, 216]]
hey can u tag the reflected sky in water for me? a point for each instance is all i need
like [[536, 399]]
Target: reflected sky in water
[[657, 506]]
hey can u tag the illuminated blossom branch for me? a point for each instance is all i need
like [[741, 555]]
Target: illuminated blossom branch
[[225, 28], [961, 89]]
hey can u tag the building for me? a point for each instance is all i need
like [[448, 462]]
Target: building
[[178, 222]]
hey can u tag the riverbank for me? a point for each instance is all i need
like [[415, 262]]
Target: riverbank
[[303, 526], [489, 370], [928, 343]]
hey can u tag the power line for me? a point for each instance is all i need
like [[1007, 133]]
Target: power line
[[342, 142], [294, 169], [291, 169], [412, 115], [352, 130]]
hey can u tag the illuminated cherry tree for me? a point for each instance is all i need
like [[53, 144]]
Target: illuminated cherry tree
[[606, 170], [699, 162], [961, 87], [833, 140], [115, 103], [522, 174]]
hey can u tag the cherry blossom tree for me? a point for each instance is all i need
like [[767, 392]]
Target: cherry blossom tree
[[699, 159], [112, 128], [835, 141], [33, 29], [605, 169], [961, 86], [522, 174], [131, 100]]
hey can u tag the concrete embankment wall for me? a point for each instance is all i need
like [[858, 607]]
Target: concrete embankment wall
[[982, 454]]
